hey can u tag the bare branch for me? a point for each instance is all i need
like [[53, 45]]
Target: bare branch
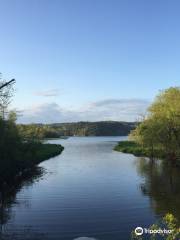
[[7, 83]]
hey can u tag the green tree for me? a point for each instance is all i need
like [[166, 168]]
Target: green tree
[[161, 127]]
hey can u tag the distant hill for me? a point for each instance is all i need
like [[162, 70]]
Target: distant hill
[[103, 128]]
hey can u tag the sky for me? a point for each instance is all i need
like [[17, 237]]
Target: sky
[[88, 60]]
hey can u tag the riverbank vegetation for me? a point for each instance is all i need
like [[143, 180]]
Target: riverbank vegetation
[[158, 135], [135, 148], [19, 150]]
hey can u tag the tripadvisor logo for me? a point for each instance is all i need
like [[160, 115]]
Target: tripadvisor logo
[[139, 231]]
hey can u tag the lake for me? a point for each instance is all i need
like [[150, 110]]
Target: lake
[[90, 191]]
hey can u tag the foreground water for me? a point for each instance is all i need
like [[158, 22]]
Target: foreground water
[[90, 190]]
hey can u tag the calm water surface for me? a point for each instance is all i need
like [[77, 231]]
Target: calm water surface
[[90, 190]]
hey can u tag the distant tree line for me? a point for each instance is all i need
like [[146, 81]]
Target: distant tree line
[[37, 132], [101, 128]]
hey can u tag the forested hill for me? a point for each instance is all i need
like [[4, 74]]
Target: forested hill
[[104, 128]]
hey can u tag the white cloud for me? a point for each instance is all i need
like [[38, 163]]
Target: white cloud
[[109, 109], [48, 93]]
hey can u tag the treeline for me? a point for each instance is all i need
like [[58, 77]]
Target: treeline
[[18, 151], [102, 128], [57, 130], [159, 132], [38, 131]]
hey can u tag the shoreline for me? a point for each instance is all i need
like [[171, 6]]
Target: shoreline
[[131, 147], [135, 149], [31, 155]]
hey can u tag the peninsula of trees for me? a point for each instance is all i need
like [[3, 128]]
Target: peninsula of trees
[[158, 135]]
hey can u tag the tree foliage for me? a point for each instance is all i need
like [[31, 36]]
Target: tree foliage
[[19, 149], [161, 127]]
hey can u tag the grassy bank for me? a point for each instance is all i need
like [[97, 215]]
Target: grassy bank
[[136, 149], [38, 152], [27, 156]]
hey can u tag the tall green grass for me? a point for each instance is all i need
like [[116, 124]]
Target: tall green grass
[[136, 149]]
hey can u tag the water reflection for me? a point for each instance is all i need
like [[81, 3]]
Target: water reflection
[[161, 182], [8, 196], [92, 192], [28, 233]]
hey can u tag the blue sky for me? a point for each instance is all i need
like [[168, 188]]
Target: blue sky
[[88, 59]]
